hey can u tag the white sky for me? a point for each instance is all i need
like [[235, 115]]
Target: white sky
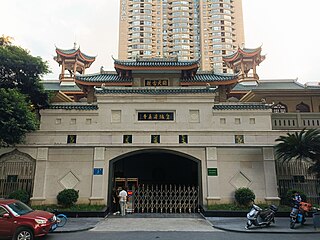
[[288, 31]]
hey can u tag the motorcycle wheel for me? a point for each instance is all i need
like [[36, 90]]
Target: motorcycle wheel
[[292, 224], [249, 223]]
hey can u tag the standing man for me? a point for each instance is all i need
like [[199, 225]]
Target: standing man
[[123, 200]]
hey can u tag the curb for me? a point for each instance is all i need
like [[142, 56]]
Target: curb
[[255, 231]]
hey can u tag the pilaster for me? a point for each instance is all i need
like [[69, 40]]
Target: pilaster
[[213, 194], [270, 175], [39, 186], [98, 172]]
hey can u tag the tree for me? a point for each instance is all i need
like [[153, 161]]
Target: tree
[[302, 146], [19, 70], [21, 94], [16, 117]]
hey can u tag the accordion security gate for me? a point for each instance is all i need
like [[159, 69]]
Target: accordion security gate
[[165, 199]]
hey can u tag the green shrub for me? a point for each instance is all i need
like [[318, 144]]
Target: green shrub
[[287, 200], [68, 197], [21, 195], [244, 196]]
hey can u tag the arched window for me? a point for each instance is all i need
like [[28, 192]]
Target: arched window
[[302, 107], [279, 108]]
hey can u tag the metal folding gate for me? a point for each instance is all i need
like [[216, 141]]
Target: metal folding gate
[[166, 199], [16, 174], [294, 175]]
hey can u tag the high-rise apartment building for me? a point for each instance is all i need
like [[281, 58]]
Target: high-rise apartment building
[[187, 29]]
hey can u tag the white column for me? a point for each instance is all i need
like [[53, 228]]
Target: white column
[[98, 185], [270, 175], [212, 181], [39, 186]]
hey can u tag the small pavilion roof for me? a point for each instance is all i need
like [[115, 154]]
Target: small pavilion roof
[[244, 52], [71, 53]]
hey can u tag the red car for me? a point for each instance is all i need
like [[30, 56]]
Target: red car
[[19, 221]]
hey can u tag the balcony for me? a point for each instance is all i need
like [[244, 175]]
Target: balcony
[[295, 121]]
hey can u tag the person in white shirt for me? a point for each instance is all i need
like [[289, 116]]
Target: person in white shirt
[[123, 200]]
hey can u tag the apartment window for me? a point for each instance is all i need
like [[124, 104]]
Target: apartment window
[[127, 138], [72, 139], [183, 138]]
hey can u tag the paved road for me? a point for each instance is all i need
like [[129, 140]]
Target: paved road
[[154, 224], [174, 235]]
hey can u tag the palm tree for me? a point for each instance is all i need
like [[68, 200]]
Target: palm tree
[[302, 146]]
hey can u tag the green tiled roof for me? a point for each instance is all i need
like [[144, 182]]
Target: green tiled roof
[[54, 85], [67, 51], [73, 107], [102, 77], [283, 85], [154, 91], [242, 87], [270, 85], [109, 77], [242, 106], [209, 78], [161, 62], [87, 56]]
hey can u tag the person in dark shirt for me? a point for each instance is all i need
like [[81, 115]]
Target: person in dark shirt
[[115, 202]]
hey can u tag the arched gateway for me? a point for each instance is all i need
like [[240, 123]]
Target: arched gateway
[[157, 180]]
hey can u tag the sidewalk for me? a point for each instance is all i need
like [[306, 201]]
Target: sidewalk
[[281, 225], [78, 224], [167, 223]]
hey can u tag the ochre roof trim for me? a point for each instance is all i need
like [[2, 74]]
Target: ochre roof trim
[[245, 52]]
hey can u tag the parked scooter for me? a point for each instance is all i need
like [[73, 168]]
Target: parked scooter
[[259, 217], [299, 212]]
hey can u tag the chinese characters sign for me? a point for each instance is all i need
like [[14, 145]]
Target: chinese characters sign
[[155, 116], [155, 83]]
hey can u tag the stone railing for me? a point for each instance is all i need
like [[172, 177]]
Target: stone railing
[[287, 121]]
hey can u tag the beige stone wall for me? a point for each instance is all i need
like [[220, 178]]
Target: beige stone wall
[[212, 140], [62, 168]]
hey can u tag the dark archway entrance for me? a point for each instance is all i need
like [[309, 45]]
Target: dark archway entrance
[[168, 181]]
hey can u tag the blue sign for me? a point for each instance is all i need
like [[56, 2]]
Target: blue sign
[[98, 171]]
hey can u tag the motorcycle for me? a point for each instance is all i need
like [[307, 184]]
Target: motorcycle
[[298, 213], [259, 217]]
